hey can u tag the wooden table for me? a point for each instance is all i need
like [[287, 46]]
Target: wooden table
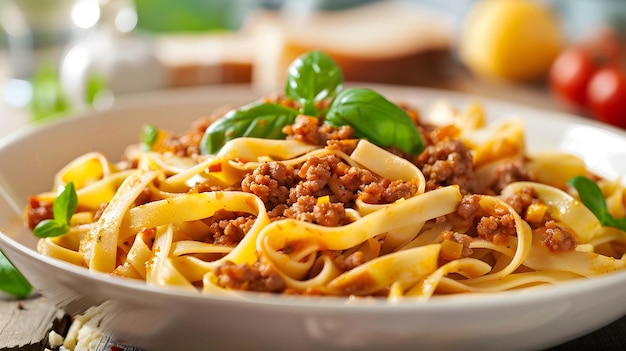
[[25, 324]]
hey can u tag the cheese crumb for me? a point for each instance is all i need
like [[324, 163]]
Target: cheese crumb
[[55, 339]]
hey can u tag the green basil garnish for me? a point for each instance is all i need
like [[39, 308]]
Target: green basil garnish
[[11, 280], [63, 208], [375, 118], [591, 196], [149, 136], [311, 78], [257, 120]]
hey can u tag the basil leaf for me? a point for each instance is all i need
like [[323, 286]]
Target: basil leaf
[[591, 196], [149, 136], [65, 204], [256, 120], [375, 118], [11, 281], [63, 208], [311, 78], [49, 228]]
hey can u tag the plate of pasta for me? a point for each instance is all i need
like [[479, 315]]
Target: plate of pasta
[[331, 215]]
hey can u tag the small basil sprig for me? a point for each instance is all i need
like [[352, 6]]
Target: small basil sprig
[[149, 136], [11, 280], [63, 208], [375, 118], [312, 78], [591, 196], [256, 120]]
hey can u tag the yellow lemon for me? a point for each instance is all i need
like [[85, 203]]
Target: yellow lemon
[[509, 39]]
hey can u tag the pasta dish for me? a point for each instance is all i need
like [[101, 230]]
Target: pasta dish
[[338, 192]]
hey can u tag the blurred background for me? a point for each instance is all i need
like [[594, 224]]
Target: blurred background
[[59, 57]]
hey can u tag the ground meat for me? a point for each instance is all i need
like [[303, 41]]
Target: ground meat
[[386, 191], [497, 228], [38, 211], [270, 182], [257, 277], [558, 239], [522, 199], [343, 187], [372, 193], [509, 172], [463, 218], [330, 214], [397, 190], [227, 227], [310, 130], [278, 212], [329, 175], [302, 209], [295, 193], [448, 162], [188, 144], [346, 263], [357, 179], [307, 209], [315, 173], [468, 207], [346, 146]]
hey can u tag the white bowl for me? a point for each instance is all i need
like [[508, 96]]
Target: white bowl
[[172, 320]]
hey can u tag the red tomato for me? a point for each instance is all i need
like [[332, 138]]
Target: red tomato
[[569, 75], [606, 95]]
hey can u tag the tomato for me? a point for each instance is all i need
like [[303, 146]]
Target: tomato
[[569, 75], [606, 95], [592, 77]]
